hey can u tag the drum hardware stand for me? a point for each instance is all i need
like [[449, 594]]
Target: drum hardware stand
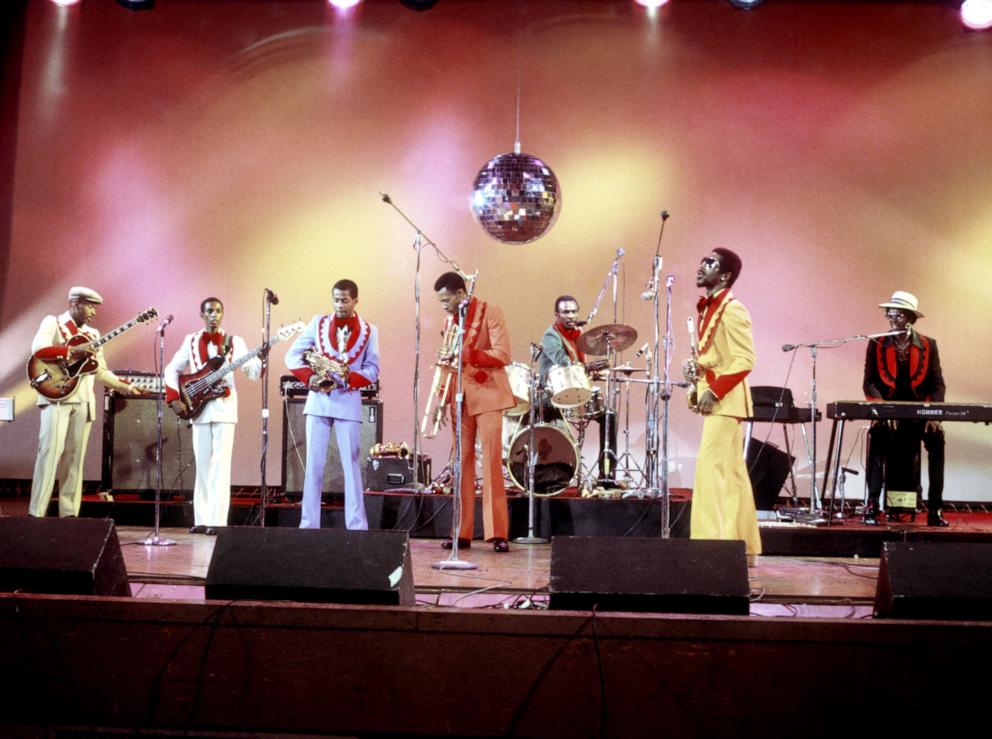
[[815, 514], [625, 460], [844, 472], [531, 452], [452, 562], [153, 539], [417, 485]]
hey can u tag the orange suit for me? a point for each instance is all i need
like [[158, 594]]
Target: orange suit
[[486, 391]]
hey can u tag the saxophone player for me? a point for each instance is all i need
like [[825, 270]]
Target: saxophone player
[[335, 355], [486, 390]]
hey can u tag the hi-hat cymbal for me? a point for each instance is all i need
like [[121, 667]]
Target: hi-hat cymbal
[[626, 369], [602, 339]]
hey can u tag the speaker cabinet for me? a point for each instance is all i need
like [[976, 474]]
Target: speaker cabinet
[[935, 580], [61, 556], [767, 466], [655, 575], [312, 565], [294, 446], [130, 441]]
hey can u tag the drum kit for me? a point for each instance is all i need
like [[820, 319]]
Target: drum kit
[[561, 408]]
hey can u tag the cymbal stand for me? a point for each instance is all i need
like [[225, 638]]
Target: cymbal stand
[[626, 459], [154, 539], [531, 450], [452, 562]]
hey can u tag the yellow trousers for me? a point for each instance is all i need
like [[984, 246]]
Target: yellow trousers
[[722, 500]]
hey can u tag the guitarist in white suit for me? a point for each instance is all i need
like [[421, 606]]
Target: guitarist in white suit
[[213, 428], [66, 422]]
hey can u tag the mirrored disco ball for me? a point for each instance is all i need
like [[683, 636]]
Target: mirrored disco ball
[[516, 198]]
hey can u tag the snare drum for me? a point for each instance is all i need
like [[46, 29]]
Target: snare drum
[[570, 386], [592, 408], [557, 457], [519, 376]]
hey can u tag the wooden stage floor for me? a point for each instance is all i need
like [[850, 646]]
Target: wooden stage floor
[[780, 586]]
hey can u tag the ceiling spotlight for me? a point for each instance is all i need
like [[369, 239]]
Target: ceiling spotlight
[[419, 4], [344, 4], [745, 4], [651, 4], [977, 14]]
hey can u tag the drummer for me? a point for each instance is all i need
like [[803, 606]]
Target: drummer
[[560, 347]]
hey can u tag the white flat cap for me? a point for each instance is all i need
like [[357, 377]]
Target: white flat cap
[[84, 293]]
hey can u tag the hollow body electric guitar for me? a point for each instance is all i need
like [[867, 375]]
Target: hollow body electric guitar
[[56, 378], [199, 388]]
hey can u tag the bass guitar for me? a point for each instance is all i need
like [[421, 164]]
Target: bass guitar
[[198, 388], [57, 378]]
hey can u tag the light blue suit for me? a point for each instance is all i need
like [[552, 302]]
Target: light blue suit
[[340, 408]]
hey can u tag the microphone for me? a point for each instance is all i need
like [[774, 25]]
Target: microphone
[[647, 295], [664, 215], [386, 198], [643, 349], [168, 319], [271, 297], [536, 349], [581, 323], [788, 347]]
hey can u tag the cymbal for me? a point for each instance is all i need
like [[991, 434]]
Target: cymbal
[[610, 336], [626, 369]]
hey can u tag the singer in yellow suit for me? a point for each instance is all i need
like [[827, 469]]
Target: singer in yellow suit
[[722, 499]]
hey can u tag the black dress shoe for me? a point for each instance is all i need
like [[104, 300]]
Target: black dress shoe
[[500, 545], [210, 531], [462, 543], [871, 515], [197, 529], [937, 520]]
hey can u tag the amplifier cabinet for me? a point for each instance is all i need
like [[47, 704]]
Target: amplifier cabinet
[[130, 443], [294, 445], [386, 473]]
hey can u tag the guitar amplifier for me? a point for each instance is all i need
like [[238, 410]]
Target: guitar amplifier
[[290, 387], [150, 384]]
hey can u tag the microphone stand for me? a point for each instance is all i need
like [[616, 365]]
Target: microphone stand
[[417, 485], [264, 377], [815, 515], [531, 537], [154, 539], [452, 562]]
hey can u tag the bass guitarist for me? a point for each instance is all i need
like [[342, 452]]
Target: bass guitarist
[[213, 427], [66, 421]]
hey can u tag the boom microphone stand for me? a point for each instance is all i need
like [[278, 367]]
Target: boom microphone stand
[[154, 539], [531, 537], [452, 562], [270, 300]]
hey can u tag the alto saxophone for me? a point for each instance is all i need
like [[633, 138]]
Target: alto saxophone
[[690, 367], [331, 373], [441, 384]]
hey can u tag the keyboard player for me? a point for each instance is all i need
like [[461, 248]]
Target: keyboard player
[[904, 367]]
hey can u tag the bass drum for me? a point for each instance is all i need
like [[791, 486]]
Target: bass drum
[[557, 457]]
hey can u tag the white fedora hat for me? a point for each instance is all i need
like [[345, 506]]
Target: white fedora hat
[[904, 301]]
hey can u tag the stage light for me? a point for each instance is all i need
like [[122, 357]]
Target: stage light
[[745, 4], [344, 4], [63, 3], [651, 4], [977, 14]]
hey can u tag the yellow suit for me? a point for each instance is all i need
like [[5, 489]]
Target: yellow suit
[[722, 499]]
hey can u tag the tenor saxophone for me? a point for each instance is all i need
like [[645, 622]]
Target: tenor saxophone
[[690, 367], [441, 384]]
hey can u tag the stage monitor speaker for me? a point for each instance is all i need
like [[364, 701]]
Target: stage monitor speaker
[[649, 574], [61, 556], [294, 446], [767, 466], [935, 580], [312, 565], [130, 443]]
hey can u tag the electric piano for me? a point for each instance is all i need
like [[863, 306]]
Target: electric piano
[[889, 410], [892, 410]]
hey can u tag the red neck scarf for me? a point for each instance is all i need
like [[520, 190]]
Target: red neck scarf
[[571, 336]]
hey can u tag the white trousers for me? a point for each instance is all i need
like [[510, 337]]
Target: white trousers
[[213, 444], [64, 432], [348, 434]]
